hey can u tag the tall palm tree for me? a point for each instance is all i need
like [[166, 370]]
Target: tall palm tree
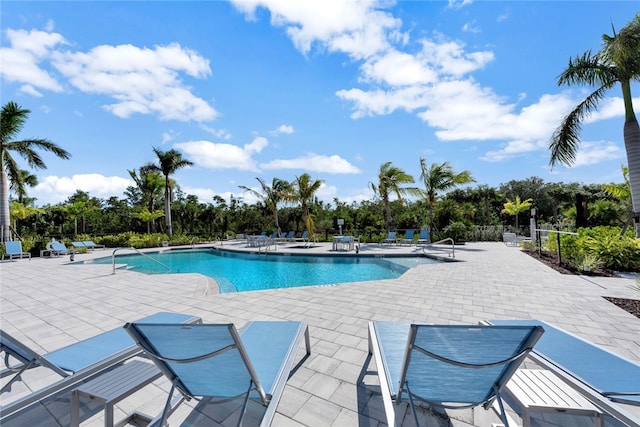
[[168, 163], [439, 177], [303, 191], [391, 180], [12, 119], [617, 62], [271, 195]]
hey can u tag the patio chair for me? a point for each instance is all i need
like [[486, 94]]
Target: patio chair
[[423, 239], [391, 238], [408, 237], [56, 248], [79, 245], [449, 366], [217, 361], [510, 239], [303, 238], [89, 244], [598, 373], [74, 362], [13, 249]]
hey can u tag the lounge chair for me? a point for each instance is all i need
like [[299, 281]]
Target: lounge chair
[[219, 361], [408, 237], [13, 249], [450, 366], [391, 238], [510, 239], [79, 245], [90, 245], [423, 239], [75, 362], [303, 238], [56, 248], [289, 236], [597, 373]]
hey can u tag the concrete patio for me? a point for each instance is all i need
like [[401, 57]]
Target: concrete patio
[[49, 302]]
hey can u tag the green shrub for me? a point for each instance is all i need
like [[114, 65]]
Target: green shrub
[[456, 230], [601, 245]]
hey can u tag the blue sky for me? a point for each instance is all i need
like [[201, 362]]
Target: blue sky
[[277, 88]]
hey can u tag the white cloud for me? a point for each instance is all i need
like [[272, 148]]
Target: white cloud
[[314, 163], [218, 133], [471, 27], [591, 153], [140, 80], [224, 156], [30, 90], [457, 4], [357, 28], [283, 129], [20, 61], [513, 149], [54, 189]]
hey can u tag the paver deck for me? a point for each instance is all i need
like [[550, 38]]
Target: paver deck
[[49, 303]]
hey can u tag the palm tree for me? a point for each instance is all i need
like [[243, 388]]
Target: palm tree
[[272, 195], [516, 207], [150, 186], [617, 62], [390, 181], [20, 188], [622, 192], [169, 162], [303, 191], [12, 119], [148, 217], [439, 177]]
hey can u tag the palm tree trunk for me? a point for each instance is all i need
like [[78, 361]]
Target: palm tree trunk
[[167, 207], [5, 226], [632, 145]]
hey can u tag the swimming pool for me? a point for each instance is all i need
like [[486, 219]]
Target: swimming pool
[[239, 272]]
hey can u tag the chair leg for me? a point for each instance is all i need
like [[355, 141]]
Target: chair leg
[[167, 406], [411, 404], [503, 414], [244, 404], [17, 376]]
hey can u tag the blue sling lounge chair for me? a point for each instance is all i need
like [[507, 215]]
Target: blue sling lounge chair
[[13, 249], [219, 361], [449, 366], [597, 373], [75, 362]]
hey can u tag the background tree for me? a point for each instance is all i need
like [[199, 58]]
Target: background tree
[[516, 207], [147, 217], [439, 177], [168, 163], [21, 212], [622, 192], [391, 180], [12, 120], [617, 62], [271, 195], [20, 188], [303, 191], [148, 190]]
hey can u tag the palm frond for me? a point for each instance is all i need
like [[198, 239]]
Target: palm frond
[[566, 138]]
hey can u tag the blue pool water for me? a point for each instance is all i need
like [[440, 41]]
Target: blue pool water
[[239, 272]]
